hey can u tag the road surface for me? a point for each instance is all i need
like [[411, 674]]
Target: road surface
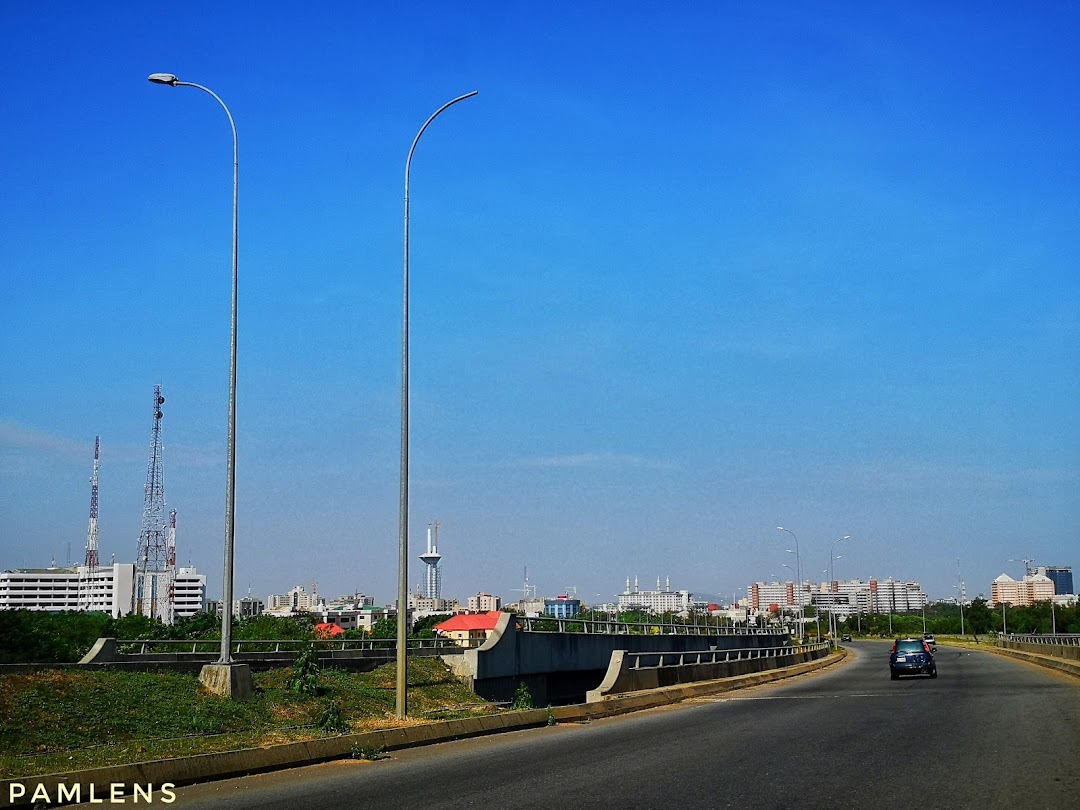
[[988, 732]]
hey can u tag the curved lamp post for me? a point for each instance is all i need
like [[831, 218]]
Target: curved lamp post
[[230, 466], [798, 578], [403, 513], [832, 602]]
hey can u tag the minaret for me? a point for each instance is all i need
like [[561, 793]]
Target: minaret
[[433, 576]]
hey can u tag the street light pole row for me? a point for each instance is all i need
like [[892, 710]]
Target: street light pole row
[[225, 657]]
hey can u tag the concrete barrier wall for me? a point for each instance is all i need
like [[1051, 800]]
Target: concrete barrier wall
[[1068, 652], [623, 676]]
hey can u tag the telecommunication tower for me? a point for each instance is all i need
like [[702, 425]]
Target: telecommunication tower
[[153, 575], [433, 575], [92, 560]]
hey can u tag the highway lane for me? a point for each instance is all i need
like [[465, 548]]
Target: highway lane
[[989, 732]]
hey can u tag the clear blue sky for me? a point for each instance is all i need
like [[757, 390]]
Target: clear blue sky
[[678, 277]]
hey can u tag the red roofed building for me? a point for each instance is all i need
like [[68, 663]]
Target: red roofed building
[[328, 630], [469, 629]]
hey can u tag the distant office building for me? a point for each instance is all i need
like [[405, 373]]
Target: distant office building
[[484, 603], [658, 601], [248, 607], [562, 607], [1060, 575], [105, 588], [296, 600], [426, 606], [1031, 589]]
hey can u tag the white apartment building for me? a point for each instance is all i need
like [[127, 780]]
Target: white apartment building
[[105, 588], [484, 603], [1031, 589], [296, 600], [658, 601], [842, 597], [763, 595]]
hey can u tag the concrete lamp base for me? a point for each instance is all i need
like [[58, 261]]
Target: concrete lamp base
[[228, 680]]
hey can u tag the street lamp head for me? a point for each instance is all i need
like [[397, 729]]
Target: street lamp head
[[163, 78]]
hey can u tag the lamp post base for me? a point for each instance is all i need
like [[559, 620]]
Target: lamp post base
[[228, 680]]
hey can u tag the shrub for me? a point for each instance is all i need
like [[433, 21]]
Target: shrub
[[305, 674]]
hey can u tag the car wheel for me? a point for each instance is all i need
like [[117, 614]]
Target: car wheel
[[894, 675], [933, 672]]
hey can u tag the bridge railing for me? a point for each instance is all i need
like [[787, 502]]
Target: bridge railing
[[1051, 639], [650, 660], [388, 645], [550, 624]]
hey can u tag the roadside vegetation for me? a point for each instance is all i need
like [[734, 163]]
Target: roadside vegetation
[[980, 620], [66, 719]]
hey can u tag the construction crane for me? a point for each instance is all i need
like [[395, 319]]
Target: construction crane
[[1027, 561]]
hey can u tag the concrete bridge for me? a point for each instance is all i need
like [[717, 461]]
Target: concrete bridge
[[562, 667]]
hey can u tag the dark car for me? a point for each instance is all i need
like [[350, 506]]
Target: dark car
[[911, 656], [845, 637]]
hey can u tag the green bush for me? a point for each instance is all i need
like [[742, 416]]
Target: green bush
[[305, 674], [522, 698]]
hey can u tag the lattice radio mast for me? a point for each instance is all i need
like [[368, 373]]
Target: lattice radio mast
[[152, 560], [92, 560]]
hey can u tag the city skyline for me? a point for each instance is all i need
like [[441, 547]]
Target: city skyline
[[678, 278]]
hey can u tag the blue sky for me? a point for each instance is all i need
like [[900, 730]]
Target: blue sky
[[678, 277]]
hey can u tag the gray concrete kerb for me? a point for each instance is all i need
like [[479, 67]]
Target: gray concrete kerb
[[209, 767]]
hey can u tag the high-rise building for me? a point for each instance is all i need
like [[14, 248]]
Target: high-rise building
[[1027, 591], [484, 603], [1060, 575]]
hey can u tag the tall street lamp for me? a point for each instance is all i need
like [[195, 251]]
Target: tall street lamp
[[403, 513], [832, 601], [225, 658], [798, 576]]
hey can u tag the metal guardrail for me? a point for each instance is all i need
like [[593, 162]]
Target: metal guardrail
[[388, 645], [607, 627], [1058, 640], [653, 660]]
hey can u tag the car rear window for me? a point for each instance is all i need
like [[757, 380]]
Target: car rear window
[[909, 646]]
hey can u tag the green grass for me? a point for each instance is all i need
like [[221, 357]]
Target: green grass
[[61, 720]]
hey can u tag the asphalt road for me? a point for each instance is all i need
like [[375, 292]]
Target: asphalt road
[[988, 732]]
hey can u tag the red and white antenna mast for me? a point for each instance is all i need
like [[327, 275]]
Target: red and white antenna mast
[[170, 560], [92, 561], [151, 589]]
